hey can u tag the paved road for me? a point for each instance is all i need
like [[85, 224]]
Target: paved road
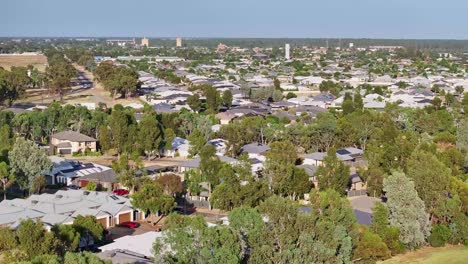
[[83, 83]]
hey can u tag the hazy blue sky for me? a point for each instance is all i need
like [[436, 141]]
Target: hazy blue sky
[[236, 18]]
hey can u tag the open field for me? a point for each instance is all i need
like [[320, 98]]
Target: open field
[[9, 60], [97, 94], [449, 255]]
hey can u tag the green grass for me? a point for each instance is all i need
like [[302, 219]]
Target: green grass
[[445, 255]]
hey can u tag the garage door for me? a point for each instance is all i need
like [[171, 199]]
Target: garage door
[[126, 217], [103, 222], [65, 151], [83, 183]]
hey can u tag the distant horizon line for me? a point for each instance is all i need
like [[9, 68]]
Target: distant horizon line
[[194, 37]]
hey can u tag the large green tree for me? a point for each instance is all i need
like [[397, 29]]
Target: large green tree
[[28, 162], [333, 173], [381, 226], [150, 135], [406, 210], [190, 240], [430, 176], [151, 198]]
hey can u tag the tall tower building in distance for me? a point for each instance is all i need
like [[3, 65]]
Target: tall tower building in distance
[[287, 50], [145, 42], [179, 42]]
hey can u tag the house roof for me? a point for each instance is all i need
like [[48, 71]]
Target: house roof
[[363, 203], [72, 136], [363, 218], [255, 148], [64, 145], [103, 176], [141, 244], [342, 154], [195, 163], [310, 169]]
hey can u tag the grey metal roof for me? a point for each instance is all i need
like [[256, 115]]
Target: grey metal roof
[[310, 169], [363, 218], [316, 155], [195, 163], [255, 148], [103, 176]]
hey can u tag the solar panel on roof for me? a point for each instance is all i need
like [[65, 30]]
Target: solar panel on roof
[[343, 152]]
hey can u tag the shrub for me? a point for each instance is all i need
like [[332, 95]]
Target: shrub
[[291, 95], [370, 248], [439, 236]]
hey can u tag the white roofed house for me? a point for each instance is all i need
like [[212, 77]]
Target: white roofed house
[[64, 206], [220, 145], [179, 147], [257, 155], [310, 80]]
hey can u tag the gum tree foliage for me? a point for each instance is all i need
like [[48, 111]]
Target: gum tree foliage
[[226, 99], [197, 141], [171, 184], [333, 173], [406, 210], [150, 134], [430, 176], [151, 198], [89, 226], [190, 240], [249, 226], [381, 226], [231, 193], [462, 136], [13, 84], [68, 236], [370, 247], [280, 168], [34, 240], [28, 162], [194, 102]]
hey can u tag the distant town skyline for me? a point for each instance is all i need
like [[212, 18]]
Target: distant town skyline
[[395, 19]]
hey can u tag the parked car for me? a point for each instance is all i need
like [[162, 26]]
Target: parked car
[[130, 224], [121, 192]]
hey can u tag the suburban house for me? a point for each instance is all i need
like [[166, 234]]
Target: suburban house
[[64, 206], [256, 150], [257, 155], [310, 170], [67, 172], [106, 179], [195, 163], [220, 145], [68, 142], [179, 147], [225, 118], [348, 155]]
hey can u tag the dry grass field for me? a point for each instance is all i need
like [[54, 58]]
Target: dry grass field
[[429, 255], [9, 60]]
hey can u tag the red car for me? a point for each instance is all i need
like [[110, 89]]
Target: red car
[[121, 192], [131, 225]]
